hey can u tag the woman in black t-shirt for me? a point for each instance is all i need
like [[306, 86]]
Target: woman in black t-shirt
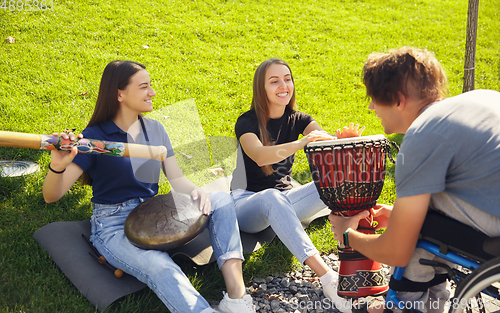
[[261, 187]]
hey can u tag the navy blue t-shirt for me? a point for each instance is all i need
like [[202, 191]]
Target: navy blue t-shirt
[[117, 179]]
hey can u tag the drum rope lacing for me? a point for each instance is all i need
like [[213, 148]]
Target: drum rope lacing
[[334, 194]]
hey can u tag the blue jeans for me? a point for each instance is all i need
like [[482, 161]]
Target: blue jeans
[[156, 268], [283, 210]]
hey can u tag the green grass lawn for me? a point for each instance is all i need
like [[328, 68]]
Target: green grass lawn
[[205, 52]]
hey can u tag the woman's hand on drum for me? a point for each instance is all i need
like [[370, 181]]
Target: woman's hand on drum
[[341, 223], [351, 131], [61, 159], [381, 214], [205, 204], [317, 135]]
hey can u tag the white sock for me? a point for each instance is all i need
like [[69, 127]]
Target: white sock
[[329, 277]]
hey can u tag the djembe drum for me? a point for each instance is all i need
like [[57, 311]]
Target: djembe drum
[[349, 174]]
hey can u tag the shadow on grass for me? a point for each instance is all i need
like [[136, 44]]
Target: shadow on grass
[[31, 281]]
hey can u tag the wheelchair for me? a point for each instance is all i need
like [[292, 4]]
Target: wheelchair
[[475, 275]]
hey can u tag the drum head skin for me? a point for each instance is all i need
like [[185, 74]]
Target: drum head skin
[[165, 222], [353, 140]]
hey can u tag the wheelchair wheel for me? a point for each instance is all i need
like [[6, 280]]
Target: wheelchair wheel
[[479, 291]]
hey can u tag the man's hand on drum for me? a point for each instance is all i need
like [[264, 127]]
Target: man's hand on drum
[[381, 214], [349, 131], [340, 223], [205, 204], [61, 159]]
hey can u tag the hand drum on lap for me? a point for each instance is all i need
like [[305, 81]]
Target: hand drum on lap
[[165, 222]]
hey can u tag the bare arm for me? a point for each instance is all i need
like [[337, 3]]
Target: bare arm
[[56, 185], [396, 245], [265, 155], [181, 184]]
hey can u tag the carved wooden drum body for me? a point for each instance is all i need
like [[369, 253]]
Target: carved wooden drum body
[[349, 175]]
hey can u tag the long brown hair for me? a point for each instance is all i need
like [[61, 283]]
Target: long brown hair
[[260, 103], [116, 76], [413, 72]]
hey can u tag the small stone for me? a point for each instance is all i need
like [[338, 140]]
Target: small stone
[[272, 290], [260, 291], [303, 297], [275, 304], [285, 283], [259, 280], [333, 257]]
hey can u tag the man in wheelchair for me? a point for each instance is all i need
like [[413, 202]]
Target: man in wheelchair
[[449, 162]]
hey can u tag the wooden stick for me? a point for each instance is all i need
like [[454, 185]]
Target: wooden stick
[[84, 145], [101, 259]]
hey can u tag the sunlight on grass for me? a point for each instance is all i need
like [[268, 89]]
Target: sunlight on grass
[[201, 57]]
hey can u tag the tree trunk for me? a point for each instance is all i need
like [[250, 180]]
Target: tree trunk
[[470, 46]]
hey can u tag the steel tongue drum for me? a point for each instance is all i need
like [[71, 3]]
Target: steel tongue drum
[[165, 222]]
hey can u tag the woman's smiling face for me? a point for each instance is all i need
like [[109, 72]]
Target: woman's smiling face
[[138, 93], [279, 85]]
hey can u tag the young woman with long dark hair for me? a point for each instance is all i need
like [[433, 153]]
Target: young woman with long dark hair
[[124, 94]]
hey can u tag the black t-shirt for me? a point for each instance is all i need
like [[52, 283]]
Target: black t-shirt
[[248, 175]]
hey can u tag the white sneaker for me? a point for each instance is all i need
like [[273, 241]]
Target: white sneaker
[[243, 305], [342, 304]]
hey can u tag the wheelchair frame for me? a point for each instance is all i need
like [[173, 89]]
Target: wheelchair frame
[[472, 285]]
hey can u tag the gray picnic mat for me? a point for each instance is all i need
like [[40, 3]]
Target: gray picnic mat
[[64, 243]]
